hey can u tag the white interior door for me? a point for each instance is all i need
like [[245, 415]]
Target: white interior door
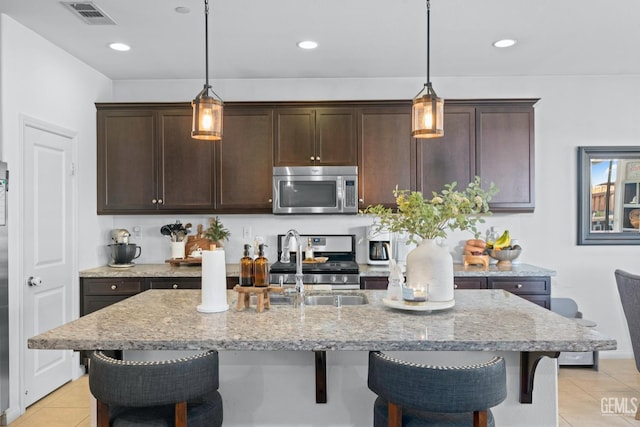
[[48, 244]]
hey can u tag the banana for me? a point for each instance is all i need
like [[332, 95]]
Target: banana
[[503, 241]]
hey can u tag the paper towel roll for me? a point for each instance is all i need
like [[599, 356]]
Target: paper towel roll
[[214, 282]]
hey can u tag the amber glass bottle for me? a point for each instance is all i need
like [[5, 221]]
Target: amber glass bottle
[[261, 268], [246, 268]]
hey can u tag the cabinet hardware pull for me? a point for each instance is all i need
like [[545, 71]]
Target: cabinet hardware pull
[[455, 286], [114, 287], [318, 158], [361, 200], [312, 158], [154, 201], [159, 201], [519, 285], [270, 200], [175, 286]]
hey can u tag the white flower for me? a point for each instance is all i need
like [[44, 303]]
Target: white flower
[[478, 201], [437, 200]]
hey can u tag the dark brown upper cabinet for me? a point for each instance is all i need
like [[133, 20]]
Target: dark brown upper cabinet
[[386, 152], [493, 139], [148, 162], [505, 153], [451, 157], [315, 136], [244, 160]]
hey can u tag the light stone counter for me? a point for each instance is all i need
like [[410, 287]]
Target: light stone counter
[[167, 320], [274, 383], [153, 270], [166, 270]]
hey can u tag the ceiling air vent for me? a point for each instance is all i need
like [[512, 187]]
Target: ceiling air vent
[[89, 13]]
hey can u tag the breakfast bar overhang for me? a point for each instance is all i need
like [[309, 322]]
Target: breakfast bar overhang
[[481, 322]]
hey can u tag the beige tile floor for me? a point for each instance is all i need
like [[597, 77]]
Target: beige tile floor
[[580, 391]]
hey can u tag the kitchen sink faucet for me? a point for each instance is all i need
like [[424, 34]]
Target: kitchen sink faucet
[[284, 257]]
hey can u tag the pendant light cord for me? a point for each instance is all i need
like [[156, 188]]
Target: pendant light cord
[[206, 41], [428, 39]]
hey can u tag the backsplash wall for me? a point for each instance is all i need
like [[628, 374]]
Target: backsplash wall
[[156, 248]]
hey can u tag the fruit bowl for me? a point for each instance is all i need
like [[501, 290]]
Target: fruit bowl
[[504, 256]]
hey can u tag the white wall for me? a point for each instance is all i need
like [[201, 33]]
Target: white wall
[[573, 111], [40, 81]]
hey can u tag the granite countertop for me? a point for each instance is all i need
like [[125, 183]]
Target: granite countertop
[[485, 320], [166, 270]]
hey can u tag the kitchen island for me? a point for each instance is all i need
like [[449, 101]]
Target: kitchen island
[[267, 359]]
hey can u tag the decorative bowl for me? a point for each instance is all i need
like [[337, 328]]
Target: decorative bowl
[[634, 218], [504, 256]]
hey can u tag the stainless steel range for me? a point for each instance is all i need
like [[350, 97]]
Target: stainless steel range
[[339, 271]]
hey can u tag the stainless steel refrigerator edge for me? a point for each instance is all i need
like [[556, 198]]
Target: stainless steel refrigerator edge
[[4, 292]]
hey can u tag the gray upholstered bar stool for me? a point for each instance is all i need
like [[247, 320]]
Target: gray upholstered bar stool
[[413, 395], [164, 393]]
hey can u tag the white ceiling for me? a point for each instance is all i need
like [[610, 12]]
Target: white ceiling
[[357, 38]]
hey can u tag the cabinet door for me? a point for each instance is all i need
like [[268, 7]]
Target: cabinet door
[[186, 165], [101, 292], [534, 289], [470, 283], [174, 283], [127, 157], [294, 136], [373, 282], [335, 139], [451, 157], [505, 140], [385, 154], [245, 161]]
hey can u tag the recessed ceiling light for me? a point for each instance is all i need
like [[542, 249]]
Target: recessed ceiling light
[[307, 44], [504, 43], [120, 47], [182, 9]]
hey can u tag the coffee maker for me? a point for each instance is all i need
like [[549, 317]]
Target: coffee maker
[[379, 246]]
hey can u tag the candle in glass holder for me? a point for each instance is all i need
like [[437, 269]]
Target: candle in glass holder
[[416, 294]]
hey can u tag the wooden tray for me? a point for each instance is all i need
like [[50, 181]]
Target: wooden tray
[[186, 261], [317, 260]]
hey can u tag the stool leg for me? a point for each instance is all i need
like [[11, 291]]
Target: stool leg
[[480, 419], [102, 412], [260, 305], [181, 414], [267, 300], [394, 415]]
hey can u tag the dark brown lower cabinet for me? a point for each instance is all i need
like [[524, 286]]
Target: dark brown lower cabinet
[[174, 282], [535, 289]]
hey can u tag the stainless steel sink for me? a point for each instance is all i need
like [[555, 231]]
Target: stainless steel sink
[[276, 299], [335, 300]]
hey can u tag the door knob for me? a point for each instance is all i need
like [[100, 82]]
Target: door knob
[[34, 281]]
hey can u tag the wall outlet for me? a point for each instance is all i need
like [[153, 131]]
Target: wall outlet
[[246, 233], [137, 231]]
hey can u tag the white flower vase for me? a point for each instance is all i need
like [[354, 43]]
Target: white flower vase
[[430, 269]]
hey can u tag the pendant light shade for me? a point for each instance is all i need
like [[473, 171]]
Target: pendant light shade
[[207, 106], [427, 112]]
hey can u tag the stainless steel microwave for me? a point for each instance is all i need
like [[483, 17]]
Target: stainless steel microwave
[[315, 190]]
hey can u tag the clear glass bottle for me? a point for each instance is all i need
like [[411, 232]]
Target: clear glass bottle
[[261, 268], [246, 267], [492, 236], [308, 253]]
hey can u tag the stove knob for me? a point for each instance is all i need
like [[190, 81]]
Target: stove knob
[[345, 279], [333, 279], [315, 279]]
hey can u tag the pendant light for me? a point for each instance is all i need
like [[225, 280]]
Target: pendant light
[[207, 106], [427, 112]]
